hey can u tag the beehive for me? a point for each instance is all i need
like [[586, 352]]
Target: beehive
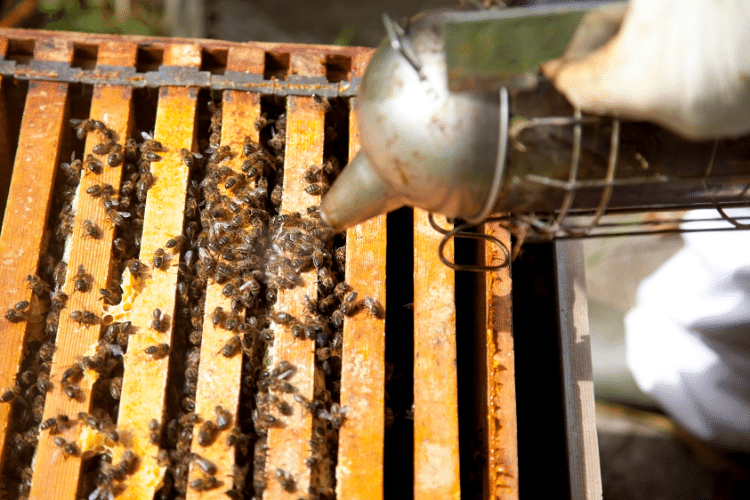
[[160, 86]]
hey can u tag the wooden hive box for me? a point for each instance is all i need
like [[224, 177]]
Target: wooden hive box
[[308, 398]]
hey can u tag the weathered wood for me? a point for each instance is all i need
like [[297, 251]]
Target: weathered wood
[[164, 42], [59, 477], [436, 462], [578, 384], [219, 377], [29, 198], [359, 472], [6, 160], [144, 380], [502, 428], [288, 445]]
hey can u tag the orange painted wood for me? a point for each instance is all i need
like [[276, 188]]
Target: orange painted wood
[[359, 472], [219, 377], [59, 477], [288, 445], [22, 237], [436, 462], [502, 423], [145, 378]]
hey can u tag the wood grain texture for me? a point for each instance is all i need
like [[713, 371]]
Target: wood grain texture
[[578, 385], [22, 238], [359, 472], [436, 461], [140, 401], [288, 446], [6, 160], [59, 478], [502, 424], [219, 377]]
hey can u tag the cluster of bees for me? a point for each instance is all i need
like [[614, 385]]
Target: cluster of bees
[[234, 235]]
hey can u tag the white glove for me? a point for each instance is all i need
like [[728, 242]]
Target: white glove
[[683, 64]]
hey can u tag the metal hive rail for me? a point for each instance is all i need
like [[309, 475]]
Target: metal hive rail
[[56, 66]]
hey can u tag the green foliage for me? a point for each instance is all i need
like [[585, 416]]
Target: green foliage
[[97, 16], [345, 36]]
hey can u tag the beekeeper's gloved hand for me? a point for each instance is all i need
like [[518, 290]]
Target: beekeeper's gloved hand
[[683, 64]]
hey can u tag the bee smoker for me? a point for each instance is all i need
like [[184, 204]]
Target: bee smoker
[[454, 118]]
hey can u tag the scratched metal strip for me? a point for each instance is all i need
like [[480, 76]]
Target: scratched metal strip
[[177, 76]]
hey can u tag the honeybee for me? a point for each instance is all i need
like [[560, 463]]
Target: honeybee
[[54, 423], [223, 418], [97, 190], [17, 313], [115, 388], [205, 464], [159, 321], [189, 158], [69, 449], [92, 164], [91, 229], [277, 141], [103, 147], [37, 285], [374, 307], [10, 394], [322, 103], [73, 373], [205, 483], [155, 429], [232, 347], [150, 144], [89, 420], [82, 127], [326, 304], [158, 259], [73, 392], [59, 273], [207, 433], [220, 154], [286, 480], [157, 351], [261, 123], [111, 296], [82, 280], [136, 267], [128, 462], [84, 317], [115, 158], [317, 189], [217, 316]]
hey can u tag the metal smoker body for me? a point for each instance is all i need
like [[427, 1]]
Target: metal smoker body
[[422, 144], [524, 150]]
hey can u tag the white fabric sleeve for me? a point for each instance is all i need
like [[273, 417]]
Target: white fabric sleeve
[[688, 338]]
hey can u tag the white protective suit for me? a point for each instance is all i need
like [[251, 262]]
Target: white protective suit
[[685, 65]]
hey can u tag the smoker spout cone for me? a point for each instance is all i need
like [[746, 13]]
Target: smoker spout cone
[[356, 195]]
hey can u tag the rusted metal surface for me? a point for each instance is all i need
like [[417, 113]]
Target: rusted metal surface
[[288, 446], [141, 401], [299, 82], [359, 472], [502, 425], [436, 460], [219, 377], [29, 198]]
